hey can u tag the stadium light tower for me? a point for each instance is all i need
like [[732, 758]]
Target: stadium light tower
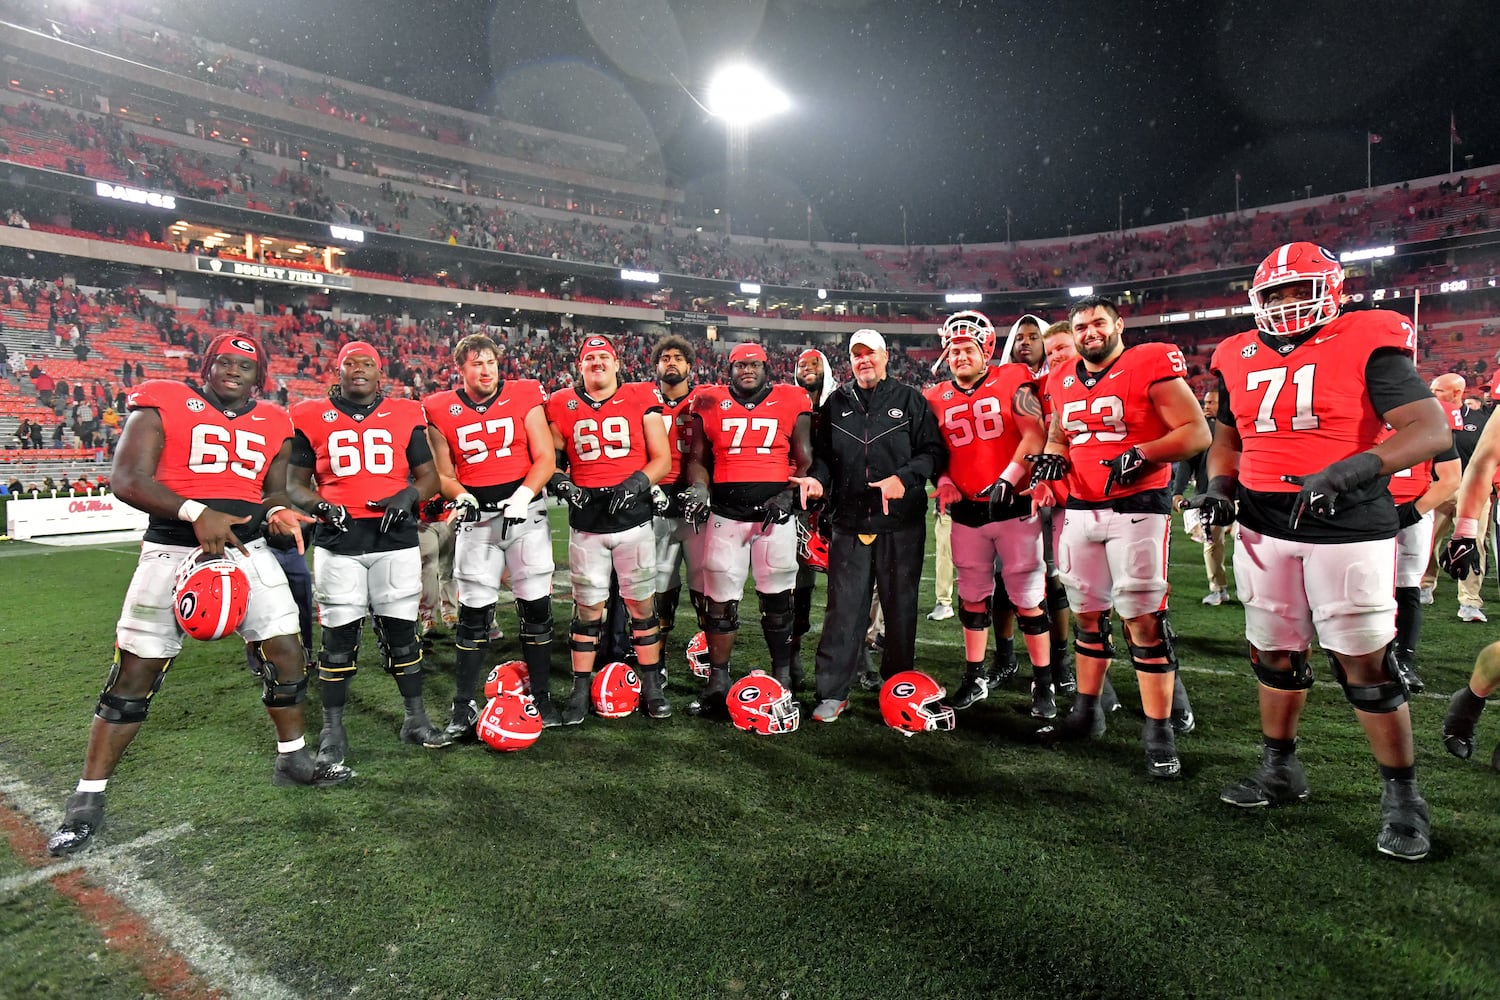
[[741, 96]]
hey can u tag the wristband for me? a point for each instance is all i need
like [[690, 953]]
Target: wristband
[[1015, 473], [1466, 527], [272, 512], [524, 493], [191, 510]]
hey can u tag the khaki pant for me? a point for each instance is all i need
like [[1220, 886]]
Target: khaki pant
[[1213, 558], [943, 530], [439, 594], [1442, 527]]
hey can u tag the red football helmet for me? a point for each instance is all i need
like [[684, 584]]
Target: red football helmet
[[697, 655], [812, 548], [759, 703], [510, 677], [912, 702], [509, 722], [210, 595], [1289, 264], [969, 325], [616, 691]]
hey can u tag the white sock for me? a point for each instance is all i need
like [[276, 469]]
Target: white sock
[[290, 746], [85, 785]]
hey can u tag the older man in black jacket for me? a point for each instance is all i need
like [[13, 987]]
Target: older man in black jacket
[[876, 447]]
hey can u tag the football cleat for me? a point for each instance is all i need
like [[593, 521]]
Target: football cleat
[[1279, 782], [713, 702], [1161, 750], [974, 687], [653, 699], [1043, 701], [83, 816], [299, 768], [1003, 666], [1405, 831], [548, 711], [577, 707], [1464, 709], [333, 744], [460, 728], [417, 729], [1083, 721]]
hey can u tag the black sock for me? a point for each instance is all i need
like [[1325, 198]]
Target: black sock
[[1408, 773], [1280, 747]]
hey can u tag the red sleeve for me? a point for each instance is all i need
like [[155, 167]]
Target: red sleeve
[[153, 394], [1162, 362]]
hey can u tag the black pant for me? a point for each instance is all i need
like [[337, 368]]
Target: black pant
[[890, 565]]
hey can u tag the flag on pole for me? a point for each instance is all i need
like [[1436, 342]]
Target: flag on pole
[[1453, 130], [1374, 137]]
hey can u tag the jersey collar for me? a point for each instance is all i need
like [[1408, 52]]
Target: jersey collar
[[463, 397]]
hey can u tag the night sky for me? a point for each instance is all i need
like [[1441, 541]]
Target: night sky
[[956, 110]]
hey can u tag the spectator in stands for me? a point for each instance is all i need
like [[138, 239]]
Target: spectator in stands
[[57, 434], [23, 434], [15, 487], [36, 435]]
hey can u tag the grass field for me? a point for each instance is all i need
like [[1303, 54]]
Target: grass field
[[686, 859]]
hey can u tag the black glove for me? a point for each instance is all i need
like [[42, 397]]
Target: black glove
[[695, 505], [398, 507], [1321, 491], [632, 489], [433, 509], [1460, 557], [1407, 514], [335, 515], [1001, 494], [780, 508], [1048, 468], [1124, 469], [1215, 505], [568, 491]]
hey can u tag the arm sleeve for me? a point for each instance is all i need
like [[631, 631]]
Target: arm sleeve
[[302, 455], [418, 451], [1225, 413], [1391, 379]]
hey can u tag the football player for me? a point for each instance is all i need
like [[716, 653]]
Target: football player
[[1120, 418], [208, 464], [1462, 558], [991, 418], [751, 433], [611, 449], [494, 456], [1298, 448], [1417, 492], [1467, 423], [373, 463], [814, 374], [676, 542]]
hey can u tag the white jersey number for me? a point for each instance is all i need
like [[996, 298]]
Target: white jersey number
[[349, 451], [1274, 379], [609, 438], [985, 423], [1109, 409], [210, 451], [475, 449], [738, 426]]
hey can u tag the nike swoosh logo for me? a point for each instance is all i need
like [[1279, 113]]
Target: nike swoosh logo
[[257, 418], [1115, 374], [1319, 340], [1136, 520], [846, 413], [772, 402], [383, 413]]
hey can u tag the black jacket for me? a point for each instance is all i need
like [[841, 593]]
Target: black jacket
[[853, 447]]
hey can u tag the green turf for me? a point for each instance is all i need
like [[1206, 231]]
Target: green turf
[[51, 951], [685, 859]]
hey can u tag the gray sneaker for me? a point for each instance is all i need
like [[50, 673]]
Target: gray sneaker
[[829, 710]]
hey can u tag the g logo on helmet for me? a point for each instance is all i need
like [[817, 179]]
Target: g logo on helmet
[[210, 595]]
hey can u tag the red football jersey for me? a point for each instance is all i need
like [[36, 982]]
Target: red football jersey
[[676, 414], [605, 441], [750, 443], [1299, 411], [979, 426], [1408, 484], [487, 441], [1108, 412], [210, 454], [359, 460]]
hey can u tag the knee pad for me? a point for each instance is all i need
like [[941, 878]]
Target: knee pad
[[277, 693], [473, 631], [802, 610], [119, 711], [1377, 699], [1033, 624], [1299, 678], [398, 640], [976, 621], [336, 660], [1057, 595], [666, 607], [536, 621], [721, 617], [776, 611], [644, 631], [589, 633], [1098, 644]]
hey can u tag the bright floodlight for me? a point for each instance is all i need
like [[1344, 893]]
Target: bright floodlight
[[742, 96]]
